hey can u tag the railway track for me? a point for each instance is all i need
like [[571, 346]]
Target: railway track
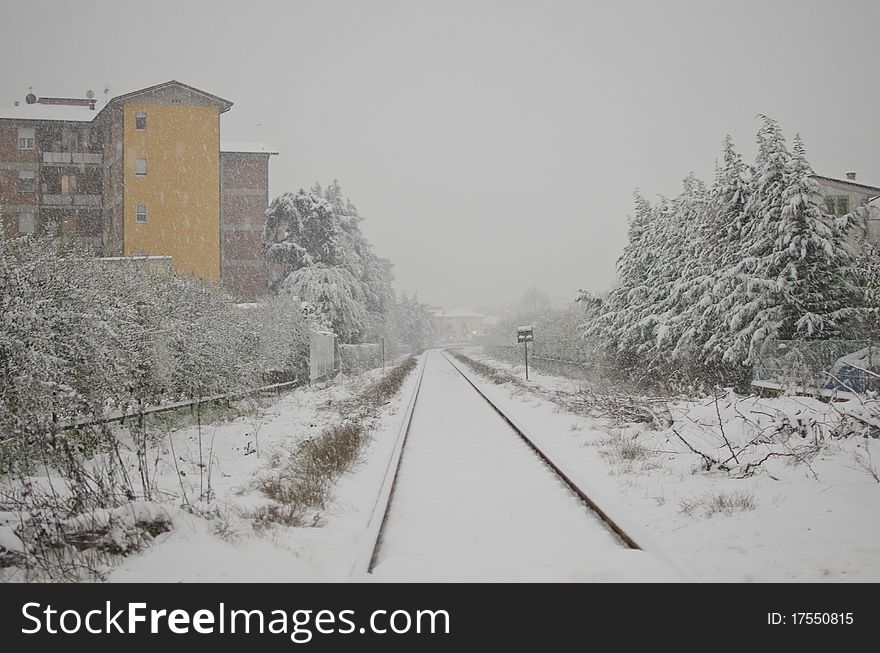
[[441, 448], [580, 493]]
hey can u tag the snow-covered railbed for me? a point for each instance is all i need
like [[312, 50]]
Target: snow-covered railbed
[[473, 502], [793, 519]]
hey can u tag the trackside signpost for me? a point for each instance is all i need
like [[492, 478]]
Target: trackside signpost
[[525, 335]]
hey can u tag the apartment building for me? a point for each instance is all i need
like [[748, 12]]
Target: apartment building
[[139, 177]]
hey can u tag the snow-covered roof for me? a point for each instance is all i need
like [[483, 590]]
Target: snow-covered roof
[[49, 112], [225, 105], [70, 113], [851, 182], [247, 148], [458, 312]]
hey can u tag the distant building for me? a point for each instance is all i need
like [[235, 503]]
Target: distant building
[[457, 325], [844, 196], [142, 176]]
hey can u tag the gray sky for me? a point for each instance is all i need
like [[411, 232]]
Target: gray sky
[[490, 145]]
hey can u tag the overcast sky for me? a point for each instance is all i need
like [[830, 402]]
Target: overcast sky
[[489, 145]]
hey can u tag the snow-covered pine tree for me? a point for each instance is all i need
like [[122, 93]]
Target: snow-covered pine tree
[[301, 230], [413, 326], [321, 228], [631, 296], [813, 251], [680, 270], [360, 259], [725, 222], [867, 279], [643, 315], [337, 296], [754, 307], [793, 277]]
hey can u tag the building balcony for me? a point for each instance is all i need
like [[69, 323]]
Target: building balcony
[[71, 200], [68, 158]]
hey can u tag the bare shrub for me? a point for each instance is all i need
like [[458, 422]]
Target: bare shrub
[[864, 462]]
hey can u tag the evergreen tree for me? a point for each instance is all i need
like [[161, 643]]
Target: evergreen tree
[[301, 230], [626, 302], [320, 229], [756, 300], [336, 296], [813, 252], [726, 220]]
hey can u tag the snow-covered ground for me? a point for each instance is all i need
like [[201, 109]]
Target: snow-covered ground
[[790, 521], [216, 540], [474, 502], [227, 548]]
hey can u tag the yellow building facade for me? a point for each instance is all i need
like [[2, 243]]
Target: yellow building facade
[[144, 176], [171, 159]]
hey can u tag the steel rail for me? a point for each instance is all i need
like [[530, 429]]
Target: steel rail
[[368, 557], [581, 494]]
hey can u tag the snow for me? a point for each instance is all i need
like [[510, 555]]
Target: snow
[[474, 503], [247, 148], [800, 529], [10, 541], [219, 543], [49, 112]]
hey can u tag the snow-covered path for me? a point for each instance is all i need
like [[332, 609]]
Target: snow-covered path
[[474, 503]]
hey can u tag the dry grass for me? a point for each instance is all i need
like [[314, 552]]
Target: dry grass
[[302, 481], [266, 516], [300, 484], [725, 503], [486, 371], [389, 385], [627, 454], [369, 401]]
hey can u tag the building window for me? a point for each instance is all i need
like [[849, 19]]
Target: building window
[[141, 214], [68, 184], [25, 138], [140, 167], [25, 223], [140, 120], [26, 183], [838, 205]]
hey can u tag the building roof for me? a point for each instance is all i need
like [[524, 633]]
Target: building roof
[[225, 104], [850, 182], [84, 114], [458, 312], [63, 112], [247, 148]]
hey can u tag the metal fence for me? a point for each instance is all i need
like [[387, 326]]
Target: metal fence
[[359, 358], [848, 365], [547, 364]]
